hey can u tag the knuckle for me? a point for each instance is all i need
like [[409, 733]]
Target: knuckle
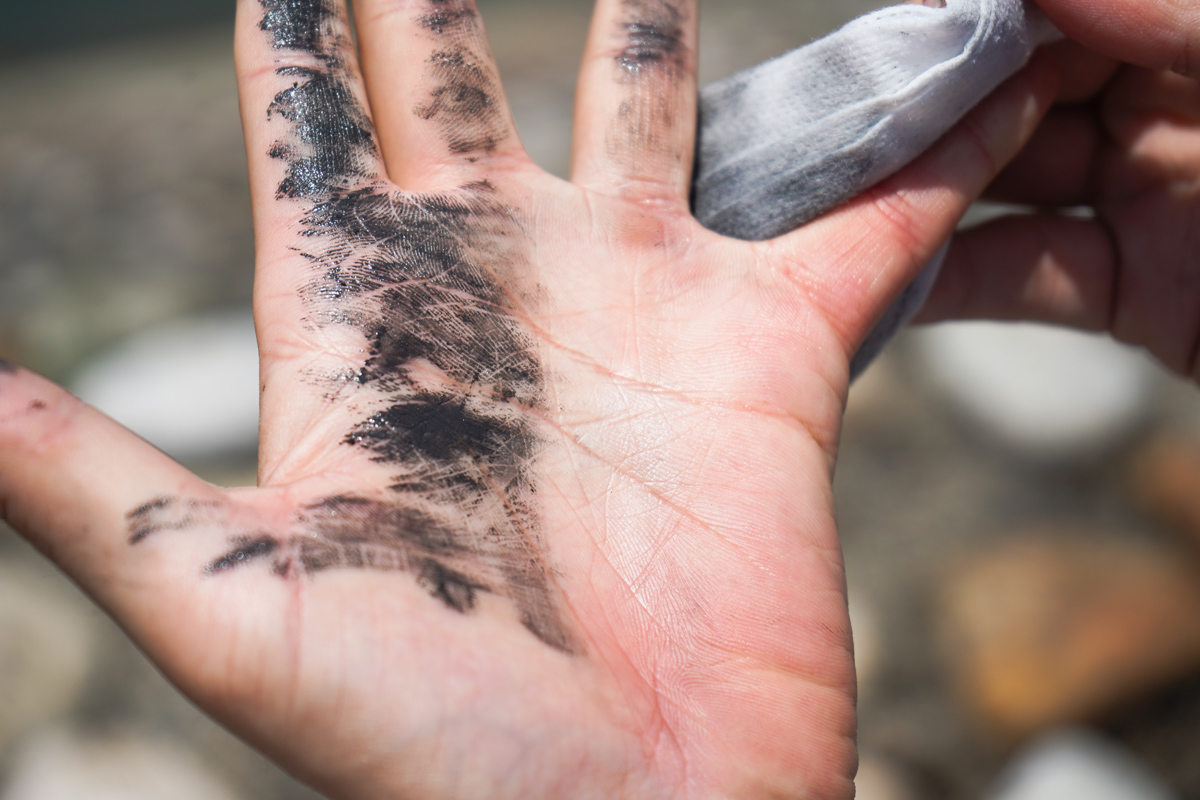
[[976, 136]]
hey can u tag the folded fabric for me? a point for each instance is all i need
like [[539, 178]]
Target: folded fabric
[[789, 139]]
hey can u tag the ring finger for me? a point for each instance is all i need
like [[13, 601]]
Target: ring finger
[[635, 118]]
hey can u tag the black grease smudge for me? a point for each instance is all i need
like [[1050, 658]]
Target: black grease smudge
[[452, 588], [169, 514], [451, 561], [452, 375], [463, 102], [332, 147], [450, 17], [247, 550], [434, 427], [297, 24], [653, 37], [336, 149]]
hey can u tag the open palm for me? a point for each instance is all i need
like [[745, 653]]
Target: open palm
[[544, 504]]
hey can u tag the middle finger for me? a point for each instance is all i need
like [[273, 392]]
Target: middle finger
[[439, 107]]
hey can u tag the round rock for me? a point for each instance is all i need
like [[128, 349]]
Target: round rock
[[1079, 764], [190, 387], [1046, 392]]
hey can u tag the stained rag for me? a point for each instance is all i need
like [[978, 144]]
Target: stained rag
[[791, 138]]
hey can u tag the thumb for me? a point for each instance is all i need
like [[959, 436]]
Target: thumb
[[71, 480], [1156, 34]]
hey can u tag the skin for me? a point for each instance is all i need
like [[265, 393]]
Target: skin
[[1123, 141], [565, 527]]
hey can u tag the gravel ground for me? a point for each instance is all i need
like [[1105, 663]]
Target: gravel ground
[[123, 203]]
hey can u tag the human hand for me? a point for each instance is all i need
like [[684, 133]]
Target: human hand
[[544, 504], [1124, 141]]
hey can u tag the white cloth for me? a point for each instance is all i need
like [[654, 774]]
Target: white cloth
[[791, 138]]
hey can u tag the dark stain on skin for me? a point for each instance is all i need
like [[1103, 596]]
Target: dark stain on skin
[[462, 102], [442, 429], [451, 379], [37, 405], [449, 17], [169, 514], [332, 147], [653, 37], [297, 24], [336, 146], [454, 557], [247, 550], [464, 97], [651, 61]]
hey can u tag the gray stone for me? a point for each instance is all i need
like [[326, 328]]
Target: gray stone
[[61, 765], [190, 387], [1079, 765], [1046, 392]]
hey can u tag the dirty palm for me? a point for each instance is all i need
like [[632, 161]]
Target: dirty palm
[[544, 504]]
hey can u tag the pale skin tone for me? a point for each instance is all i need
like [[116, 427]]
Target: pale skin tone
[[673, 456]]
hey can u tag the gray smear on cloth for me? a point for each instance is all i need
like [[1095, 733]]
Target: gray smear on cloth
[[785, 141]]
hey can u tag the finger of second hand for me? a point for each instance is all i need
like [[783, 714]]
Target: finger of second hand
[[635, 121], [1042, 267], [1060, 165], [1085, 72], [1154, 118], [855, 260]]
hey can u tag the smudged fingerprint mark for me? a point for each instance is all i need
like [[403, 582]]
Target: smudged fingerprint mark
[[451, 373], [650, 63], [302, 25], [170, 514], [653, 36], [336, 147], [463, 102], [247, 549], [464, 99], [332, 147]]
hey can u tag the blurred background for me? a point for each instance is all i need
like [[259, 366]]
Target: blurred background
[[1016, 503]]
